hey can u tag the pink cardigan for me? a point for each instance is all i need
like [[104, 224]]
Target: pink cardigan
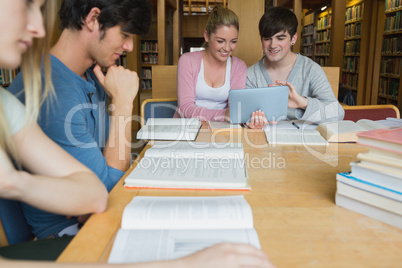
[[187, 73]]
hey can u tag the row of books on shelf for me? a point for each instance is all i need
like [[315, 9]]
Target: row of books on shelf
[[350, 80], [146, 84], [146, 74], [321, 60], [354, 13], [307, 51], [393, 23], [7, 76], [308, 40], [322, 49], [392, 5], [374, 185], [353, 30], [150, 58], [324, 22], [392, 45], [350, 64], [323, 36], [352, 47], [149, 46], [389, 88], [391, 66], [308, 29]]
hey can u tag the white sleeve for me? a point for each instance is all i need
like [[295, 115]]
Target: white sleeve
[[13, 109]]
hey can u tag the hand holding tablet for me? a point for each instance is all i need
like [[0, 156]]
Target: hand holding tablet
[[272, 101]]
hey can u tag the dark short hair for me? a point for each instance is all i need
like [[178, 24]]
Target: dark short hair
[[278, 19], [134, 16]]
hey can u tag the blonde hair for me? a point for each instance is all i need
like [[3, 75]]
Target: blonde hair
[[220, 16], [31, 73]]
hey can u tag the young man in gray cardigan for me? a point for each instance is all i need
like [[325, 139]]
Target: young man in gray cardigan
[[310, 94]]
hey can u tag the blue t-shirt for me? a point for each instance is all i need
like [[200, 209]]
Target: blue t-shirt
[[78, 121]]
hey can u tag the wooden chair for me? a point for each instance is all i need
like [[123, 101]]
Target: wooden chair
[[333, 78], [164, 81], [13, 226], [157, 108], [373, 112]]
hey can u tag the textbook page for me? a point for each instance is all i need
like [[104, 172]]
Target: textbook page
[[174, 121], [370, 124], [189, 172], [184, 165], [340, 131], [170, 129], [295, 137], [174, 212], [132, 246], [195, 150], [290, 124], [163, 228]]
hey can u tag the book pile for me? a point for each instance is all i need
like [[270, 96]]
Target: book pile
[[374, 185]]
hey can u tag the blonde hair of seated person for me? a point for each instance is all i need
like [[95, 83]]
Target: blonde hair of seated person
[[31, 70]]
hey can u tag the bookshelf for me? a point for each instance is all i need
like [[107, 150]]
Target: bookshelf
[[201, 7], [149, 57], [322, 37], [390, 86], [308, 36]]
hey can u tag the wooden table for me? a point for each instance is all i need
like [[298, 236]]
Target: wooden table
[[293, 203]]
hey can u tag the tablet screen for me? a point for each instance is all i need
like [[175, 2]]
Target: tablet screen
[[273, 101]]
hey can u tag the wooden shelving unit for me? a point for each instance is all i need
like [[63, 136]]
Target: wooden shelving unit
[[308, 36], [149, 57], [201, 7], [322, 37], [390, 84]]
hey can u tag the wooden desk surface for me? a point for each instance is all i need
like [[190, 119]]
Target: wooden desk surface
[[293, 203]]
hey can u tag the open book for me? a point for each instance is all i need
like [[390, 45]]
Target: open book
[[165, 228], [346, 131], [170, 129], [185, 165], [223, 126], [293, 132], [295, 137]]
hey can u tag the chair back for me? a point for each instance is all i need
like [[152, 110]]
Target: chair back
[[333, 78], [373, 112], [164, 81], [13, 226], [157, 108]]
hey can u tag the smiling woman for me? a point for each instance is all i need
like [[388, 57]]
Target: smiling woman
[[204, 78]]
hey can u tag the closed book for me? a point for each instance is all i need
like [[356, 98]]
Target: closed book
[[348, 179], [372, 199], [368, 210], [389, 139], [381, 160], [384, 179]]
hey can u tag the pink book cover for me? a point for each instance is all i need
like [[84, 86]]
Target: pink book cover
[[390, 136]]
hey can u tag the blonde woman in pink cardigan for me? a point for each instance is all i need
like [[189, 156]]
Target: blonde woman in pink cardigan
[[204, 78]]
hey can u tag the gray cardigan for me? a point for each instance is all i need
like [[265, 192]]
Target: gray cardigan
[[310, 81]]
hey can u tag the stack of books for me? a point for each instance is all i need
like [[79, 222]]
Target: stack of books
[[374, 185]]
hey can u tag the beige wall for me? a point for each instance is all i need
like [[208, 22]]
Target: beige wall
[[249, 43]]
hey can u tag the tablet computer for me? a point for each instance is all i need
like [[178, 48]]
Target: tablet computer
[[273, 101]]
